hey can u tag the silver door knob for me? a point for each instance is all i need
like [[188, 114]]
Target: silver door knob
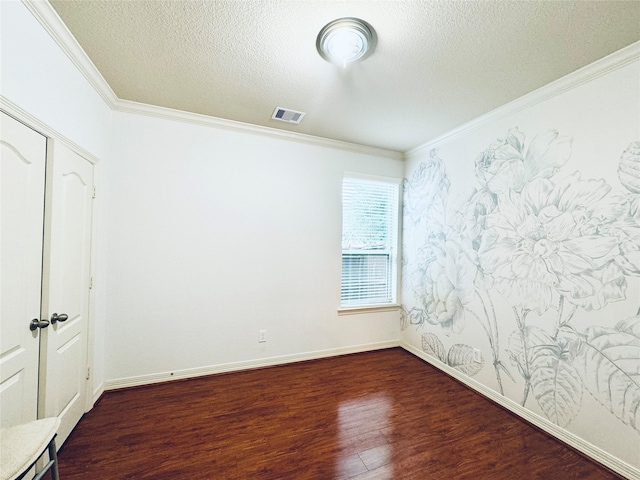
[[35, 324], [59, 318]]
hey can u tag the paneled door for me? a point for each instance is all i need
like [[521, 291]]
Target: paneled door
[[66, 286], [45, 261], [22, 183]]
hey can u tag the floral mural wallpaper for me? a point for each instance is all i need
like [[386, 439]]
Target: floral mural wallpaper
[[520, 257]]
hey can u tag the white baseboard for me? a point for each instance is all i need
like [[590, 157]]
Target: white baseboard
[[246, 365], [619, 466], [97, 393]]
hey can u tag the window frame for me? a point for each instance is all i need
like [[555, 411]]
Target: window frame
[[395, 253]]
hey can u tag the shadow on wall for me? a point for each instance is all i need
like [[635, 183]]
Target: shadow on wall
[[538, 245]]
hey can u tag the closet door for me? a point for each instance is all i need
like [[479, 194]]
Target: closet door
[[22, 183], [66, 287]]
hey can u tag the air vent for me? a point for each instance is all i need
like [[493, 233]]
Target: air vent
[[286, 115]]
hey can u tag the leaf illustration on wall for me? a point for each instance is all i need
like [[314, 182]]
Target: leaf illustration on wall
[[432, 345], [609, 363], [630, 325], [516, 352], [556, 384], [460, 357]]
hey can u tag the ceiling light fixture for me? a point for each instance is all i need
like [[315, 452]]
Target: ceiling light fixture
[[346, 40]]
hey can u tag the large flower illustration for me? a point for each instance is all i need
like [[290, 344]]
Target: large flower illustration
[[544, 241], [628, 232], [447, 286], [506, 164], [628, 228], [426, 190], [549, 240], [470, 222]]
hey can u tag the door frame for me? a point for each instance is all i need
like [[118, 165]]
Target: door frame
[[54, 137]]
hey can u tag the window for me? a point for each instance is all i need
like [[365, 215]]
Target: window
[[369, 240]]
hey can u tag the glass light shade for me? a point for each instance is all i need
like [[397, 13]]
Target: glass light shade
[[346, 40]]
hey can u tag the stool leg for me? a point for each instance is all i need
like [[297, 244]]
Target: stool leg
[[53, 456]]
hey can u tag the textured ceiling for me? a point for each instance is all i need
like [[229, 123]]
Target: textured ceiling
[[438, 64]]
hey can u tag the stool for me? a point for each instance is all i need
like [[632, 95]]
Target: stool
[[21, 447]]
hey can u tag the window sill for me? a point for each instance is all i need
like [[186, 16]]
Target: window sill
[[368, 309]]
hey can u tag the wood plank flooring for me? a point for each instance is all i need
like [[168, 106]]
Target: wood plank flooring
[[378, 415]]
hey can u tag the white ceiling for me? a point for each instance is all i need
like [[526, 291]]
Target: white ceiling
[[437, 65]]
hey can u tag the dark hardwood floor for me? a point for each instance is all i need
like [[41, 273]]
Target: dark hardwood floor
[[377, 415]]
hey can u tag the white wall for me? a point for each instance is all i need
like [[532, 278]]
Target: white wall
[[38, 78], [212, 235], [568, 273], [215, 235]]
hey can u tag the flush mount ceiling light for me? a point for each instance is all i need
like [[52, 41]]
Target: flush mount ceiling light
[[346, 40]]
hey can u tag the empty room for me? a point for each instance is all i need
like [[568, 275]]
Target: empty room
[[332, 239]]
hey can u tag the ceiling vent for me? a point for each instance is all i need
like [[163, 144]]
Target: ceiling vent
[[287, 115]]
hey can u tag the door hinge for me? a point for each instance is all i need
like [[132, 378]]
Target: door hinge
[[88, 372], [90, 282], [94, 192]]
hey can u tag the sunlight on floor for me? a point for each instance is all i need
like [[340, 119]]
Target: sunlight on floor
[[360, 423]]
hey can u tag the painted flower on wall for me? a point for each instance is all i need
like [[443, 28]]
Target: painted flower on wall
[[549, 244], [543, 242], [447, 286], [507, 165], [628, 228], [425, 190], [629, 168], [628, 232], [471, 218]]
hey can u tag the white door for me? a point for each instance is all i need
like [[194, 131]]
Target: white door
[[66, 285], [22, 182]]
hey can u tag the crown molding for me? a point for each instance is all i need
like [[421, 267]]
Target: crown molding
[[55, 27], [137, 108], [53, 24], [601, 67]]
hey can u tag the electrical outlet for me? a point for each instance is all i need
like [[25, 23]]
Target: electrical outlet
[[477, 356], [262, 336]]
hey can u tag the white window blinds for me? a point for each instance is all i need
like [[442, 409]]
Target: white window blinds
[[369, 241]]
